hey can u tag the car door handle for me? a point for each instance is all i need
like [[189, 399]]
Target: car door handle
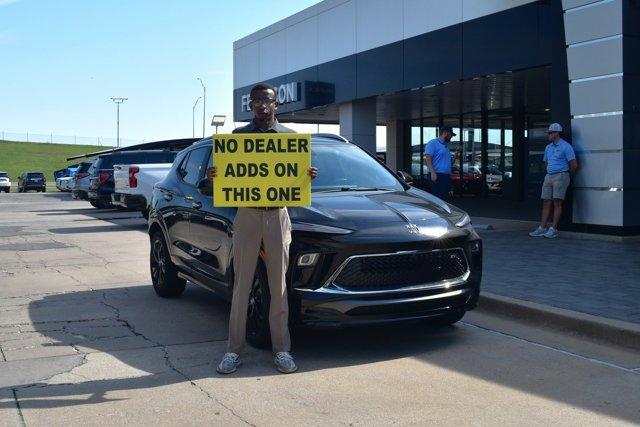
[[196, 205], [168, 197]]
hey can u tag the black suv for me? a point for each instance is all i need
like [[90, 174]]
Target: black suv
[[32, 181], [101, 182], [369, 249]]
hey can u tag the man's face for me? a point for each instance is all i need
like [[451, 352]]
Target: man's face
[[553, 136], [446, 136], [264, 104]]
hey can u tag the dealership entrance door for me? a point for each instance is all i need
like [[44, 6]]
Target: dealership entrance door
[[497, 167]]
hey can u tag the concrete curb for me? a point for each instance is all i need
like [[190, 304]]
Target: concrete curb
[[608, 331], [601, 237]]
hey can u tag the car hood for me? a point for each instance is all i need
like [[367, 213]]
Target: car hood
[[379, 212]]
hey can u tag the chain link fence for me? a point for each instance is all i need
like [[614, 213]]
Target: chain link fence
[[67, 139]]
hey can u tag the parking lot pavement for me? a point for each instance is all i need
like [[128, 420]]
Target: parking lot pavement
[[85, 341]]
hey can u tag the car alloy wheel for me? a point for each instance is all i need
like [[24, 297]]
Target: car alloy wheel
[[157, 262], [258, 333], [164, 274]]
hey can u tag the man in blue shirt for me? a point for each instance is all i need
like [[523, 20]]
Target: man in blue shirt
[[561, 163], [437, 157]]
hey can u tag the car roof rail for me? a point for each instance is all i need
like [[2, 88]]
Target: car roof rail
[[331, 136]]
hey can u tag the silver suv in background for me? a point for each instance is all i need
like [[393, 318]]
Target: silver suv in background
[[5, 182], [81, 182]]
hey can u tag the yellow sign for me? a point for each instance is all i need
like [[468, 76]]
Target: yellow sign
[[262, 170]]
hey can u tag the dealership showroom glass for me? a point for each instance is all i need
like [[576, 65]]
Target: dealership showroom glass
[[497, 72]]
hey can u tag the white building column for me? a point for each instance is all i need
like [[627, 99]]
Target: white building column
[[593, 32], [358, 123], [395, 137]]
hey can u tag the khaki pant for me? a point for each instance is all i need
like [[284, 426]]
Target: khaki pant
[[250, 228], [555, 186]]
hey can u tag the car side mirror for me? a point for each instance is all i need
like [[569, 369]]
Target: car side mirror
[[205, 187], [405, 177]]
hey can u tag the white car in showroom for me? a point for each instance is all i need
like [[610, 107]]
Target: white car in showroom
[[5, 182]]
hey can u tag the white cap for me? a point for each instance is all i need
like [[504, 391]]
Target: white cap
[[555, 127]]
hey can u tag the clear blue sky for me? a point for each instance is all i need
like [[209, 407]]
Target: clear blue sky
[[62, 60]]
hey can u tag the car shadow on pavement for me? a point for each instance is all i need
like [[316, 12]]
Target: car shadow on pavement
[[56, 195], [144, 337], [130, 339], [99, 228], [60, 212]]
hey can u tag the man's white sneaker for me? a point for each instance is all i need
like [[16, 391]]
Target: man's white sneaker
[[538, 232], [229, 363], [284, 362], [552, 233]]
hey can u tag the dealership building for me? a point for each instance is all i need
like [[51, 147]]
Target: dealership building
[[497, 71]]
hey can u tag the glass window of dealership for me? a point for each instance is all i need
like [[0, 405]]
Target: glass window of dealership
[[498, 72]]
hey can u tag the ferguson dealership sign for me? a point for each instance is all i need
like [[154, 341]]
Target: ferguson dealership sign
[[285, 94], [293, 96]]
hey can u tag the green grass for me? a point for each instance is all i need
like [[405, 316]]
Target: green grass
[[17, 157]]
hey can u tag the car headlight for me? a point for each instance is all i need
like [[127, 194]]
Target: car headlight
[[317, 228], [464, 221]]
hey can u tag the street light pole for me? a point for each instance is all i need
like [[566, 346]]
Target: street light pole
[[204, 103], [193, 118], [118, 101]]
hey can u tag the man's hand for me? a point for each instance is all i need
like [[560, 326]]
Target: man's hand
[[312, 172], [434, 176], [212, 172], [573, 167]]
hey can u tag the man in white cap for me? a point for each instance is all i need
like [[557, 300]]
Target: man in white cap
[[561, 164]]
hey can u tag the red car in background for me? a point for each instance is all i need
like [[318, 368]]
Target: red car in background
[[471, 182]]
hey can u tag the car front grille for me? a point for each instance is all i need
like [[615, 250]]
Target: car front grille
[[396, 271]]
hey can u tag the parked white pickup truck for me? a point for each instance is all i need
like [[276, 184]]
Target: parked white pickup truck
[[133, 184]]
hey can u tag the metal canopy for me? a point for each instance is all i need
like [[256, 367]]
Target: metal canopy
[[454, 97], [169, 145]]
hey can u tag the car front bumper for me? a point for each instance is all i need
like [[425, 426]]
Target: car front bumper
[[370, 291], [325, 309]]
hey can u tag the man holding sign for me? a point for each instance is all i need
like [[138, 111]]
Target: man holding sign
[[261, 174]]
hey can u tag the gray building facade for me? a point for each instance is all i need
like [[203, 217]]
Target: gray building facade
[[498, 71]]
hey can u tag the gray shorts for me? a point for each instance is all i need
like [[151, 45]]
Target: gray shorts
[[555, 186]]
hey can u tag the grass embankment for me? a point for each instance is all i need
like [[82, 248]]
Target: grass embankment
[[17, 157]]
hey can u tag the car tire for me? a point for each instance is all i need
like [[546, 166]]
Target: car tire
[[258, 332], [164, 274], [101, 204], [93, 203]]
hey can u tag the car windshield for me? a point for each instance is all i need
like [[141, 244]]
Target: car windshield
[[34, 175], [345, 167], [84, 167], [467, 169], [4, 175]]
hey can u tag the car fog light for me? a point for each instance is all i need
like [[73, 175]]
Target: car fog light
[[475, 246], [307, 260]]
